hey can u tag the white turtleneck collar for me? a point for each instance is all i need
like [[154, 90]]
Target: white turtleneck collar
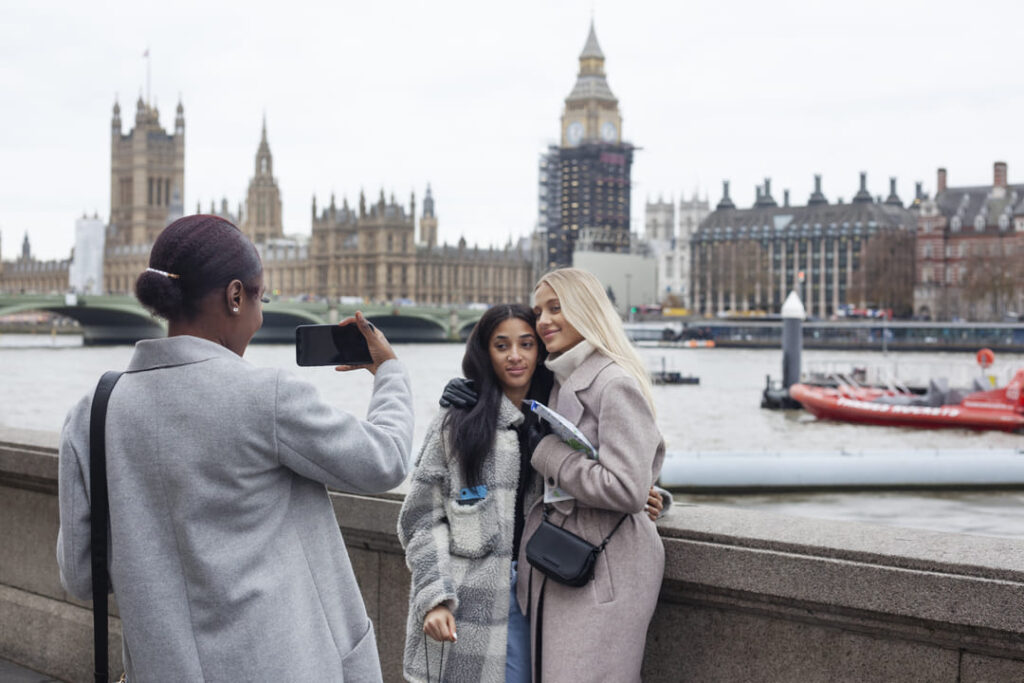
[[566, 362]]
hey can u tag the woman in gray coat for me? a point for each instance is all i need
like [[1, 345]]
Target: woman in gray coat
[[226, 558], [597, 632]]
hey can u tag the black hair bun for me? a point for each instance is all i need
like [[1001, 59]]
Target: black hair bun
[[160, 294]]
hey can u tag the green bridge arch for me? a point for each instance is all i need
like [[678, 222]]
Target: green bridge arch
[[121, 319]]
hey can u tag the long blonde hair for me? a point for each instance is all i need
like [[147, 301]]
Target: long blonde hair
[[586, 307]]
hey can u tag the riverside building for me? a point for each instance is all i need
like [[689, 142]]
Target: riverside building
[[147, 186], [372, 253], [970, 242], [669, 243], [833, 254], [28, 275]]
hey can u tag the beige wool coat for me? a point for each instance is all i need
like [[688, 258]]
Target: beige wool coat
[[597, 633]]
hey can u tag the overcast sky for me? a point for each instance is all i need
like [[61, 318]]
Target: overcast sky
[[466, 94]]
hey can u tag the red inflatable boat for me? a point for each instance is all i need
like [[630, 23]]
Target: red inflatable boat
[[1001, 409]]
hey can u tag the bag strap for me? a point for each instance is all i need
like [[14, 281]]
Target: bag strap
[[99, 520], [538, 639], [607, 538], [426, 655]]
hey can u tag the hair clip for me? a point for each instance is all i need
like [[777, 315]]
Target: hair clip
[[173, 276]]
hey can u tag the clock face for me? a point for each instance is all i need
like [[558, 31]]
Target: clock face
[[609, 132], [574, 133]]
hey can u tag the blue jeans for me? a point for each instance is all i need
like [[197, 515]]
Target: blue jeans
[[517, 653]]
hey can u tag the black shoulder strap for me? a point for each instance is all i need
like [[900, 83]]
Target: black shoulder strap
[[99, 519]]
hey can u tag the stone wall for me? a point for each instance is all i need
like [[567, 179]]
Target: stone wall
[[747, 596]]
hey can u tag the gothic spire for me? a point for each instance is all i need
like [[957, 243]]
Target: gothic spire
[[264, 159], [592, 50], [591, 83]]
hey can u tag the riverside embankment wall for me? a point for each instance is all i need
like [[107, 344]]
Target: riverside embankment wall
[[747, 596]]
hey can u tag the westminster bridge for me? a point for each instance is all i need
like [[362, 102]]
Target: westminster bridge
[[115, 319]]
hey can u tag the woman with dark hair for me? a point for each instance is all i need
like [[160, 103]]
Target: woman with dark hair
[[462, 520], [226, 558]]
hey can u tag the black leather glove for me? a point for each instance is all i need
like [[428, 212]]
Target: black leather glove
[[458, 393], [536, 430]]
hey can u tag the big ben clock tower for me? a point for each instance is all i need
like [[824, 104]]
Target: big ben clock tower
[[593, 167], [591, 110]]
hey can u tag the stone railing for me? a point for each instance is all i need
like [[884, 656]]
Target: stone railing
[[747, 596]]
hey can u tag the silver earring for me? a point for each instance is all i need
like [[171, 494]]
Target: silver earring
[[235, 309]]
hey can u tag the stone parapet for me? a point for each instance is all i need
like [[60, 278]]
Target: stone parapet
[[747, 596]]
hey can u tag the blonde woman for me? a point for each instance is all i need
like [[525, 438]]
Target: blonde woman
[[595, 632]]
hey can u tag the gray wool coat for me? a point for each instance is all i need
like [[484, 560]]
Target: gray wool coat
[[227, 562], [597, 633], [460, 555]]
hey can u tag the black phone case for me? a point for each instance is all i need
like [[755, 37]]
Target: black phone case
[[330, 345]]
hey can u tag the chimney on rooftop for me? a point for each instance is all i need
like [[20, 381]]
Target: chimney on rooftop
[[941, 185], [726, 202], [893, 199], [785, 197], [999, 174], [863, 196], [817, 197]]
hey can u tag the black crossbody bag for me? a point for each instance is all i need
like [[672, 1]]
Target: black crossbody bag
[[563, 556]]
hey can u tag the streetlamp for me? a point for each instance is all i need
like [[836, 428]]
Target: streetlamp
[[629, 302]]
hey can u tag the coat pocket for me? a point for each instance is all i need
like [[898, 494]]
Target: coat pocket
[[362, 662], [474, 529]]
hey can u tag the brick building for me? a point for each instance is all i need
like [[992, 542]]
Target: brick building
[[831, 253], [970, 251]]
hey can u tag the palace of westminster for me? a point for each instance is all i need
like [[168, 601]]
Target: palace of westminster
[[371, 251]]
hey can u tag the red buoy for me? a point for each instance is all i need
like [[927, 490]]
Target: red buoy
[[986, 358]]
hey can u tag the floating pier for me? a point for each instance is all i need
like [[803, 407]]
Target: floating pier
[[770, 471]]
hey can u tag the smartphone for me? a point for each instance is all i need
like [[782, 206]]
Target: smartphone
[[331, 345]]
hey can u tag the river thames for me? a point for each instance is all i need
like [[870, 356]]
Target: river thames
[[43, 376]]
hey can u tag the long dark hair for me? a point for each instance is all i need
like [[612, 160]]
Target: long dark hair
[[192, 257], [471, 432]]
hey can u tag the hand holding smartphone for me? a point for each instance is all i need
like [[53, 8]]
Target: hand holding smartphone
[[331, 345], [351, 344]]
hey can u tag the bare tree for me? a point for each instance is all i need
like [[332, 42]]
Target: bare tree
[[993, 277], [887, 271]]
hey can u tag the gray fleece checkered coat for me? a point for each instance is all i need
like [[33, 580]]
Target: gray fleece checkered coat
[[460, 555]]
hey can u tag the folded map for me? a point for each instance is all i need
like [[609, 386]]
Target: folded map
[[567, 432]]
